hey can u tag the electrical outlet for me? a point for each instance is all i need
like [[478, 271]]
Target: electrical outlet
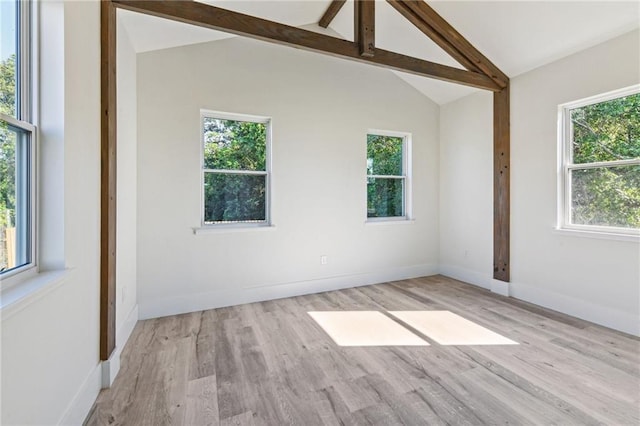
[[323, 260]]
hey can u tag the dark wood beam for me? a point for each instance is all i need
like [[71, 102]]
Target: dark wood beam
[[215, 18], [416, 20], [107, 179], [456, 40], [331, 12], [501, 178], [364, 17]]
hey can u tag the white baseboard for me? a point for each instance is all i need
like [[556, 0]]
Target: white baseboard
[[218, 299], [111, 367], [611, 318], [101, 377], [125, 330], [466, 275], [500, 287], [82, 402]]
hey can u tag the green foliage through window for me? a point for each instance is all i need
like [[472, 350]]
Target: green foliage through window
[[235, 170], [7, 196], [8, 86], [234, 145], [605, 194], [606, 131], [17, 137], [385, 176]]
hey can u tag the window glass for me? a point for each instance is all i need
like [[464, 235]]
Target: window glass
[[384, 155], [386, 176], [606, 196], [8, 57], [385, 197], [16, 140], [234, 198], [606, 131], [234, 145], [235, 170], [15, 191], [601, 163]]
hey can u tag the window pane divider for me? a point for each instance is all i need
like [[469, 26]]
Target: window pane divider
[[14, 122], [236, 172], [386, 176], [601, 164]]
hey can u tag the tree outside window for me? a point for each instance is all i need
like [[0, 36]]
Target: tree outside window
[[235, 170], [602, 163], [386, 175]]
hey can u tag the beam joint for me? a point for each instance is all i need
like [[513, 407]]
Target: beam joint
[[456, 44], [427, 30], [207, 16], [364, 26]]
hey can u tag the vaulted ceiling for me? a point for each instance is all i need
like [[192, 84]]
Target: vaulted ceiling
[[517, 36]]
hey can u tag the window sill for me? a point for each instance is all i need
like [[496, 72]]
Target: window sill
[[393, 221], [20, 295], [218, 229], [583, 233]]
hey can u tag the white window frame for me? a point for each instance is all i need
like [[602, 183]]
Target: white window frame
[[26, 87], [267, 121], [566, 165], [406, 176]]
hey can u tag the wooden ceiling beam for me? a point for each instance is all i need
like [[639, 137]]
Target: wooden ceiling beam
[[446, 32], [364, 17], [331, 12], [194, 13], [215, 18], [419, 23]]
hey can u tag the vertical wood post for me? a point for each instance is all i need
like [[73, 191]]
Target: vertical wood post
[[107, 179], [501, 179], [364, 26]]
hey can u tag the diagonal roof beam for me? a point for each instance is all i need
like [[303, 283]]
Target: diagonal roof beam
[[416, 20], [331, 12], [207, 16], [448, 38]]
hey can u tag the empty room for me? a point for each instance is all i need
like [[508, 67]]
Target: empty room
[[319, 212]]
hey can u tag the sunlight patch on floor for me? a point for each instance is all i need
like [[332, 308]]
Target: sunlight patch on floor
[[447, 328], [365, 328]]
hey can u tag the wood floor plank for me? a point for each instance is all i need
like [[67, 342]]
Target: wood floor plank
[[270, 363], [203, 364], [243, 419], [202, 402], [574, 414]]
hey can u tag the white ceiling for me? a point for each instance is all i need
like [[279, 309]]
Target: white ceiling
[[517, 36]]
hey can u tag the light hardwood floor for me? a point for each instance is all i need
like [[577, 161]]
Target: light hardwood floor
[[269, 363]]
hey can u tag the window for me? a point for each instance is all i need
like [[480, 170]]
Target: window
[[17, 140], [600, 167], [387, 175], [236, 169]]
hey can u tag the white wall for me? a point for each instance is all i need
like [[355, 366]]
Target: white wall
[[466, 189], [126, 239], [321, 108], [50, 359], [594, 279]]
